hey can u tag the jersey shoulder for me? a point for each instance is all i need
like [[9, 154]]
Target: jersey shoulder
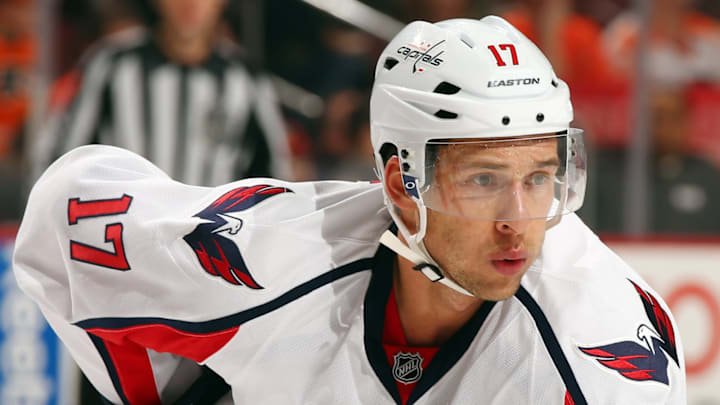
[[614, 328], [576, 264]]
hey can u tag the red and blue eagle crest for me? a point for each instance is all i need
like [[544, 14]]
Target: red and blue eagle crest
[[647, 361], [217, 253]]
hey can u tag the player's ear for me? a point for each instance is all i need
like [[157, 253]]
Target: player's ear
[[394, 185]]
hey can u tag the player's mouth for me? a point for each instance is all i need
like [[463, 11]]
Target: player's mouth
[[509, 262]]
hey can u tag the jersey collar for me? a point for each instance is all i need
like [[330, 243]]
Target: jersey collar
[[449, 353]]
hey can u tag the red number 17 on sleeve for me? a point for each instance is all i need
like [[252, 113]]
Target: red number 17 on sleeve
[[82, 252]]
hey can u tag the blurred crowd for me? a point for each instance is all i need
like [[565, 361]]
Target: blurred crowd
[[604, 49]]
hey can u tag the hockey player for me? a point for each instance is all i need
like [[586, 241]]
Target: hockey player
[[463, 278]]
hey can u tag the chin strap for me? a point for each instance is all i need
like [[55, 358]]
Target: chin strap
[[422, 264]]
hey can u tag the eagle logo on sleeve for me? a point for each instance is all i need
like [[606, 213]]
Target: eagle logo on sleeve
[[646, 360], [218, 254]]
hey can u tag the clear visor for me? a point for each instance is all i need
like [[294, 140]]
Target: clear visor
[[508, 179]]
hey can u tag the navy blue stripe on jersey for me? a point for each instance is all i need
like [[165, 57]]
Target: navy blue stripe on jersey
[[552, 346], [112, 371], [375, 301], [234, 320], [449, 353]]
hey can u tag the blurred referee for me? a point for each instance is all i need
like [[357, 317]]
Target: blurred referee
[[179, 95]]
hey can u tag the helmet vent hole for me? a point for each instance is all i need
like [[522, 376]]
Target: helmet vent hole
[[540, 117], [446, 88], [467, 41], [422, 107], [431, 111], [445, 114], [506, 120], [554, 83], [390, 63]]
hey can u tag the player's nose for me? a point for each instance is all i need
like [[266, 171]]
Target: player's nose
[[514, 217], [512, 227]]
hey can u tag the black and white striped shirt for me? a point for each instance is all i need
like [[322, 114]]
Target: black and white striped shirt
[[205, 124]]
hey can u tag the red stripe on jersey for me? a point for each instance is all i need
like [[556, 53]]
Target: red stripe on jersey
[[134, 371], [637, 375], [394, 341], [568, 399], [598, 353], [222, 265], [163, 338], [619, 364]]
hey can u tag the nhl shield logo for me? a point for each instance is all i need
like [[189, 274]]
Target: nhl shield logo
[[407, 367]]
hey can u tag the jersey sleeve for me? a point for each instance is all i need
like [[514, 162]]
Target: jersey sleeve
[[135, 271]]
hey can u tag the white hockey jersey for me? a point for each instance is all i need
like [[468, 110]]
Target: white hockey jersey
[[281, 289]]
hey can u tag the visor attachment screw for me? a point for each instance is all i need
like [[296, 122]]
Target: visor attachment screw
[[506, 120], [540, 117], [406, 167]]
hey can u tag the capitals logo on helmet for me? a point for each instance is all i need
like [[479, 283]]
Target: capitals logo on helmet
[[218, 254]]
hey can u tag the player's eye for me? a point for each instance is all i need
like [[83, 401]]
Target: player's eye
[[483, 179], [538, 179]]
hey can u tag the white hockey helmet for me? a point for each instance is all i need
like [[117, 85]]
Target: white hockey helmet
[[464, 80]]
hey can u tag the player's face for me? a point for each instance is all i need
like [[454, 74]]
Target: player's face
[[489, 256]]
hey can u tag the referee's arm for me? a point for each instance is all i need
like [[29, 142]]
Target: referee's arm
[[81, 123], [266, 129], [78, 122]]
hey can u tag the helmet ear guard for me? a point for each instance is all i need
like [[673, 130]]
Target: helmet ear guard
[[414, 248]]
